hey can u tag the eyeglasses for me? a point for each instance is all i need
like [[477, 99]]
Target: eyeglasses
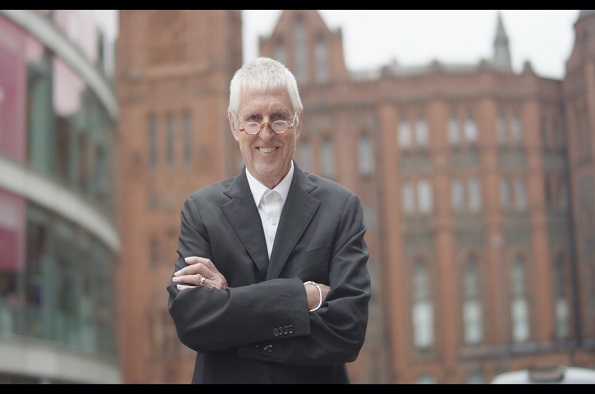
[[278, 126]]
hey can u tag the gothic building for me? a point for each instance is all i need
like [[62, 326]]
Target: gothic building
[[478, 185]]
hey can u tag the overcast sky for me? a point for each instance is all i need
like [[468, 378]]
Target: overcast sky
[[373, 38]]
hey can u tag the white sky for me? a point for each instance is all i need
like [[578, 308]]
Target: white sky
[[373, 38]]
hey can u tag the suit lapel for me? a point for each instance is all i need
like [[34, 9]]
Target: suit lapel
[[298, 211], [242, 214]]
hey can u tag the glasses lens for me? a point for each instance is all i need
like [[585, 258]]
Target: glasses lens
[[252, 127], [280, 126]]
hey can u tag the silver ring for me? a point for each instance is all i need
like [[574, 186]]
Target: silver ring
[[202, 281]]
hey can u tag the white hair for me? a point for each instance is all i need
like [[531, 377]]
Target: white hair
[[263, 74]]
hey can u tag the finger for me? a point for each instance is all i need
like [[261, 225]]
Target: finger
[[192, 260], [195, 260], [190, 270], [211, 267], [184, 287]]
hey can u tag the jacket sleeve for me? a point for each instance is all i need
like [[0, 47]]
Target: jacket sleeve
[[220, 320]]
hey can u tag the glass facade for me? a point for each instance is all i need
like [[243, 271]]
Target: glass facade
[[58, 236]]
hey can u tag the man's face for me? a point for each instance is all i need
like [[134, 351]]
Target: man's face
[[267, 155]]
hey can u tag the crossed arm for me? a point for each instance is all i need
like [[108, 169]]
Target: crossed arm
[[201, 271]]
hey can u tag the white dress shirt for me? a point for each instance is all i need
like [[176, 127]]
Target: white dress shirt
[[270, 204]]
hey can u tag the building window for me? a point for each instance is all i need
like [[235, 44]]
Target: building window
[[154, 251], [501, 130], [474, 192], [519, 307], [520, 194], [457, 194], [408, 197], [404, 134], [454, 132], [544, 133], [417, 195], [305, 155], [472, 311], [470, 130], [561, 192], [169, 127], [327, 159], [421, 133], [461, 199], [425, 201], [561, 299], [516, 130], [153, 142], [513, 189], [63, 148], [321, 59], [423, 314], [369, 216], [101, 174], [365, 156], [557, 132], [187, 132], [505, 193]]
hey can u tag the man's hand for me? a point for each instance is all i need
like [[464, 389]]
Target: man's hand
[[199, 272]]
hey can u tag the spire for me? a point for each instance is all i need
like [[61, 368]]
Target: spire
[[501, 60]]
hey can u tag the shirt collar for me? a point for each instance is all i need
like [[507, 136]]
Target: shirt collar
[[258, 189]]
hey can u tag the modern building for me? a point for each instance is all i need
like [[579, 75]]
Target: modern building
[[478, 184], [59, 242]]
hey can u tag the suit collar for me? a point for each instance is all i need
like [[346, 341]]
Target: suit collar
[[242, 214], [297, 213]]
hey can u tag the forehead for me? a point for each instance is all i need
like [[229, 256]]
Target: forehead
[[269, 100]]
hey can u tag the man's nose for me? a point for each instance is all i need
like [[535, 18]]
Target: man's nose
[[266, 128]]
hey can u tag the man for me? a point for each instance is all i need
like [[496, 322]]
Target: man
[[271, 283]]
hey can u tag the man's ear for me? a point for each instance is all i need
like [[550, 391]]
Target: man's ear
[[233, 125], [298, 123]]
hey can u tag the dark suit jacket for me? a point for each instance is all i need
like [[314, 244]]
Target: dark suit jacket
[[259, 329]]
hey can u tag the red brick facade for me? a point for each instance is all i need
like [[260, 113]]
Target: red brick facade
[[427, 130]]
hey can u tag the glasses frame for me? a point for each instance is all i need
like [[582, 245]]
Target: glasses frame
[[289, 125]]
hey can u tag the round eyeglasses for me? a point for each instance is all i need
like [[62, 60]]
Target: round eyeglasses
[[278, 126]]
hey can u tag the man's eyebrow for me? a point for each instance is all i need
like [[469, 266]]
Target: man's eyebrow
[[281, 111]]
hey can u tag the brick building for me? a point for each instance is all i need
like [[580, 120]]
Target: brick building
[[478, 185]]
